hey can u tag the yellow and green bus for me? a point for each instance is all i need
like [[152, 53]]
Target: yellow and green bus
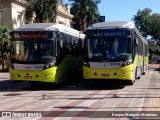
[[45, 52], [114, 51]]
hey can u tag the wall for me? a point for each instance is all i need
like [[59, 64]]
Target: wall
[[12, 14]]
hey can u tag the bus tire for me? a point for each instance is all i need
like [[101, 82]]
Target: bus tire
[[137, 77], [144, 69], [143, 73], [131, 82]]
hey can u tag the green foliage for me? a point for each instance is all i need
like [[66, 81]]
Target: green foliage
[[84, 11], [155, 26], [4, 43], [152, 47], [142, 21], [43, 9], [4, 39], [148, 23], [153, 50]]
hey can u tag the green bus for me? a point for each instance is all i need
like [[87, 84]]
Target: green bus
[[45, 52], [114, 51]]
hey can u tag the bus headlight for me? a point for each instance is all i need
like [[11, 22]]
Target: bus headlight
[[49, 65], [86, 63], [128, 62]]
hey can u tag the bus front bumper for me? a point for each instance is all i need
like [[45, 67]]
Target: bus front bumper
[[124, 73], [48, 75]]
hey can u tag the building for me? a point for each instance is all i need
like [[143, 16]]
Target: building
[[63, 15], [12, 14]]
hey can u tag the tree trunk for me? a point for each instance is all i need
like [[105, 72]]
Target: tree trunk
[[3, 59], [3, 64], [83, 23]]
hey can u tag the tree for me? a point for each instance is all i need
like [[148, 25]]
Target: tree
[[153, 48], [142, 21], [44, 10], [155, 26], [148, 23], [4, 43], [84, 11]]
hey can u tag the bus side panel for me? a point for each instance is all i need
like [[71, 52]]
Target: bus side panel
[[146, 62], [140, 64]]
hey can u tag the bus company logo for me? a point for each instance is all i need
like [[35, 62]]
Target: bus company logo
[[115, 63], [38, 67], [27, 67]]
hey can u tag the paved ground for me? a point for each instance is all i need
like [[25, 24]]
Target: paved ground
[[82, 101]]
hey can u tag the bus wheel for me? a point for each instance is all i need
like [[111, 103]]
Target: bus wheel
[[133, 78], [136, 75], [131, 82], [143, 73], [139, 74]]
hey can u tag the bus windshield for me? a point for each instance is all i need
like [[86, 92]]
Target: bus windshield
[[109, 47], [32, 50]]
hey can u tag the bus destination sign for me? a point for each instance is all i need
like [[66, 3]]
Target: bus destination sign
[[31, 35], [34, 36], [109, 33]]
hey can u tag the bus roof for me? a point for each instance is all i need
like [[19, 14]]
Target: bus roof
[[114, 24], [50, 27]]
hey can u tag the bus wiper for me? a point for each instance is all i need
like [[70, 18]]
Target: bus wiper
[[122, 55], [45, 58]]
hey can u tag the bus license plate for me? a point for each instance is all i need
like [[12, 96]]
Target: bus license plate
[[104, 75], [28, 77]]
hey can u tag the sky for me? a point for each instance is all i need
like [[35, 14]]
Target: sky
[[124, 10]]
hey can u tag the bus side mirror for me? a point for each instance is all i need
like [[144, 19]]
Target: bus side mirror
[[85, 33]]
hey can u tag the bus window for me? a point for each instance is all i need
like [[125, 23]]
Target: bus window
[[32, 51], [68, 45], [115, 46], [96, 48], [122, 48]]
